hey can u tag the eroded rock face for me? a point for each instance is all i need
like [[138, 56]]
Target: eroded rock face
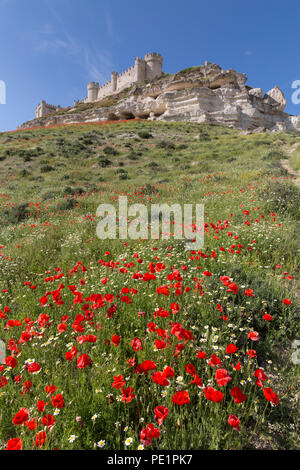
[[276, 98], [200, 94]]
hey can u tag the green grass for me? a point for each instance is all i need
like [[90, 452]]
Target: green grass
[[52, 181], [294, 160]]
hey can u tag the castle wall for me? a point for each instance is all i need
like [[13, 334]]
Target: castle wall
[[126, 78], [147, 69], [43, 109], [105, 90]]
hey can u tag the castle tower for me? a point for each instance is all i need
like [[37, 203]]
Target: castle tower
[[140, 70], [114, 81], [153, 65], [92, 89]]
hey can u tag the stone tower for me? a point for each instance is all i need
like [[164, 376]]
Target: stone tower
[[140, 67], [114, 81], [153, 65], [92, 88]]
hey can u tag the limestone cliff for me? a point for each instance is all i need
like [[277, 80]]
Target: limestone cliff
[[199, 94]]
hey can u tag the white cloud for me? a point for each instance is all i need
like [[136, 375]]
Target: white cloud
[[96, 62], [52, 45]]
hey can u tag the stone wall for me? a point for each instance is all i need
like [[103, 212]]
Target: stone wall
[[143, 69], [43, 109]]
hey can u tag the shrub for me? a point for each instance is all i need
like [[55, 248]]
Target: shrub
[[144, 135], [110, 151], [163, 144], [17, 213], [46, 168], [104, 162]]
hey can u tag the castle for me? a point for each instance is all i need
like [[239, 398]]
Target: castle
[[143, 69], [147, 69], [43, 109]]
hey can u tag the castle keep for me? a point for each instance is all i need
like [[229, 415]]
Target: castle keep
[[147, 69]]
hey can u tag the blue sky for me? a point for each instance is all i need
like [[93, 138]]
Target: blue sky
[[50, 49]]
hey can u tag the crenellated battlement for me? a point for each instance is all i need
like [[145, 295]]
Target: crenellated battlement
[[93, 85], [153, 55], [44, 108], [143, 69]]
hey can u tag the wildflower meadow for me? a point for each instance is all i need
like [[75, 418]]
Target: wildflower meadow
[[143, 344]]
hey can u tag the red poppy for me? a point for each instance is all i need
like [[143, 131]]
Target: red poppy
[[21, 417], [58, 401], [267, 317], [238, 395], [253, 335], [260, 375], [34, 367], [234, 422], [163, 290], [232, 287], [136, 344], [213, 395], [69, 355], [214, 360], [41, 405], [115, 340], [231, 349], [175, 308], [222, 377], [127, 394], [149, 433], [160, 344], [49, 389], [145, 367], [160, 379], [161, 412], [271, 396], [181, 398], [168, 372], [40, 439], [118, 382], [14, 444], [11, 361], [201, 354], [83, 361], [191, 369], [251, 353], [197, 381], [48, 420], [249, 293]]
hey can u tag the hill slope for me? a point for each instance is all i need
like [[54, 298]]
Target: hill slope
[[68, 298]]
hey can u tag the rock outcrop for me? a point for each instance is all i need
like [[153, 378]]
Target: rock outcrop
[[199, 94]]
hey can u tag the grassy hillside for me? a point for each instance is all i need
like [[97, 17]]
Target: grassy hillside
[[65, 294]]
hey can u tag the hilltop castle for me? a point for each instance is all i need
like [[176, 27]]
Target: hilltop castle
[[147, 69], [203, 93], [143, 69]]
